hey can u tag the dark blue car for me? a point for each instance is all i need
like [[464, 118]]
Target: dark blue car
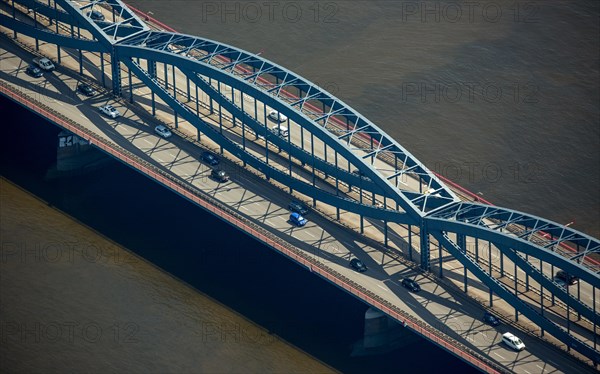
[[210, 158], [491, 319], [33, 71]]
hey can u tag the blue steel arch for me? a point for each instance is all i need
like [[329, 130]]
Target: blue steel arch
[[436, 211]]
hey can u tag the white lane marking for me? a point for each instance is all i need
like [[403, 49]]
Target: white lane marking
[[244, 207], [411, 304], [502, 357], [308, 232], [526, 371], [160, 159], [383, 288], [540, 367]]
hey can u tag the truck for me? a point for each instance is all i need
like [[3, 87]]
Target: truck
[[44, 63]]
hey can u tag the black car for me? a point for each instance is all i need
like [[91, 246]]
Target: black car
[[219, 175], [491, 319], [567, 278], [34, 71], [86, 89], [358, 265], [210, 158], [96, 15], [298, 207], [411, 285]]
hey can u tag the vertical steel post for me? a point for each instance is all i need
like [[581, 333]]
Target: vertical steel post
[[440, 262], [410, 242], [15, 16], [130, 85], [116, 73], [462, 243], [542, 295], [425, 255], [490, 271], [516, 288], [312, 153], [101, 68], [37, 41], [152, 72]]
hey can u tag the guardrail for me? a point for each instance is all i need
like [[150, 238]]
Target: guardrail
[[229, 215]]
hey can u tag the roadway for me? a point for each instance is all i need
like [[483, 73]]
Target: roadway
[[439, 305]]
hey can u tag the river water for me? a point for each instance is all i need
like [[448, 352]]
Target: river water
[[502, 99]]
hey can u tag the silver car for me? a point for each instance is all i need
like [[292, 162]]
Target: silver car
[[109, 111], [162, 131]]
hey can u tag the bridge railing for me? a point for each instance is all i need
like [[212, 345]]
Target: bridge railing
[[229, 215]]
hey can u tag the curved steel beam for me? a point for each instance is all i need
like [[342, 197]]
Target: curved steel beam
[[249, 72], [51, 37], [527, 233], [296, 152], [271, 172], [514, 301], [547, 283]]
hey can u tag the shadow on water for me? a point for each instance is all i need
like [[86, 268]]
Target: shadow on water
[[205, 252]]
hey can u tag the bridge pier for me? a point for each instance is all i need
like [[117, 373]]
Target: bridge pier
[[381, 335], [75, 156]]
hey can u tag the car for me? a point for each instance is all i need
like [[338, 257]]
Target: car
[[513, 342], [567, 278], [297, 219], [411, 285], [110, 111], [219, 175], [44, 63], [34, 71], [280, 130], [277, 117], [86, 89], [163, 131], [491, 319], [359, 173], [358, 265], [210, 158], [298, 207], [96, 15]]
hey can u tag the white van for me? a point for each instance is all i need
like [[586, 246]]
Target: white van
[[280, 130]]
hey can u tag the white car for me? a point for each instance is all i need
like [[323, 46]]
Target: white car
[[110, 111], [163, 131], [277, 117], [513, 342]]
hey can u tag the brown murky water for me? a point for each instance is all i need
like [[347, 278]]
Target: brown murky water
[[73, 301]]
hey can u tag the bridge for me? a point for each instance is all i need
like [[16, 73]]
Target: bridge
[[370, 197]]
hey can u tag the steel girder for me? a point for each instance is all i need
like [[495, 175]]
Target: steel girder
[[271, 84], [51, 37], [513, 300], [526, 233], [271, 172], [547, 283]]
